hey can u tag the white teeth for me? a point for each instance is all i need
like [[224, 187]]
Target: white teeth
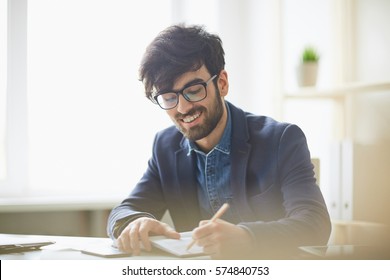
[[191, 118]]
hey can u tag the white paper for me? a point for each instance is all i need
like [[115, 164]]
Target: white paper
[[178, 247]]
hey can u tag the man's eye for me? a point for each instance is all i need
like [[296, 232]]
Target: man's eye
[[169, 98], [193, 90]]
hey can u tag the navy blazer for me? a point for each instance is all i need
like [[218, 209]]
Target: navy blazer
[[272, 181]]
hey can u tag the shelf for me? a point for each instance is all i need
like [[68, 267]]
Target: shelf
[[63, 203], [338, 92]]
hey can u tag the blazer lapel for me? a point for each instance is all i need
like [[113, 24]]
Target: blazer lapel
[[187, 185], [240, 157]]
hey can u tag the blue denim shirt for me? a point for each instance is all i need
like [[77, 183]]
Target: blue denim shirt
[[213, 175]]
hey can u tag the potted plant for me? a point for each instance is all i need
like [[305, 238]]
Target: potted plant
[[308, 67]]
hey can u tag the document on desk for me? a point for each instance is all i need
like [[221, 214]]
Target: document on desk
[[177, 247]]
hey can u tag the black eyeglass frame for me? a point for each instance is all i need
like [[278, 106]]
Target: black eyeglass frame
[[204, 84]]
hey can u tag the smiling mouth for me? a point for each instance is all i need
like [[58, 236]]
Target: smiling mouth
[[190, 119]]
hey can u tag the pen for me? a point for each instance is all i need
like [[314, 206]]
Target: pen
[[216, 216]]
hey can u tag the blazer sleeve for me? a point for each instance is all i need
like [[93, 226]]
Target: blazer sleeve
[[306, 220]]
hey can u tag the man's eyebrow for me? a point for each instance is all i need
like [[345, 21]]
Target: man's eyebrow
[[192, 82]]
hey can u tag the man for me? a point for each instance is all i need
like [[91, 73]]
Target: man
[[217, 153]]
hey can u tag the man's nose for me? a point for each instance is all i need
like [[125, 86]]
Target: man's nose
[[184, 106]]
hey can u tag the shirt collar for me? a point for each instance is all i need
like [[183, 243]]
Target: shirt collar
[[223, 145]]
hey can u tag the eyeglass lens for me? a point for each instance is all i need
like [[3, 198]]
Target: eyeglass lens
[[192, 93]]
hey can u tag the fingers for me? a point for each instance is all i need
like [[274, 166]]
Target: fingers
[[123, 241], [135, 239], [208, 237], [143, 236], [207, 233], [170, 232], [221, 239], [206, 228], [133, 235], [136, 235]]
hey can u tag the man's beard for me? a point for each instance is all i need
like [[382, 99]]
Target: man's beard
[[210, 121]]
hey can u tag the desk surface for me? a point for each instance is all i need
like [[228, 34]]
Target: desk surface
[[69, 248], [347, 252]]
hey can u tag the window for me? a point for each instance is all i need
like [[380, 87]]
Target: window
[[3, 86], [85, 103]]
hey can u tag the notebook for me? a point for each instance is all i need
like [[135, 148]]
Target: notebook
[[22, 244], [177, 247]]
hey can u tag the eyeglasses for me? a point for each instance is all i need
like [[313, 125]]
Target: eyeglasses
[[192, 93]]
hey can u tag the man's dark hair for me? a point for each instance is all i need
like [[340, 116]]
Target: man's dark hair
[[177, 50]]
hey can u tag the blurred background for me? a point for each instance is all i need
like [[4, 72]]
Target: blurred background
[[76, 130]]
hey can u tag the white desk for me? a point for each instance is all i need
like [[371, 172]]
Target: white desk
[[68, 248]]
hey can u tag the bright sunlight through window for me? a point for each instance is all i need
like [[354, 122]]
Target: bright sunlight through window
[[90, 126], [3, 85]]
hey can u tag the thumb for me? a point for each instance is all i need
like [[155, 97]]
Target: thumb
[[170, 232]]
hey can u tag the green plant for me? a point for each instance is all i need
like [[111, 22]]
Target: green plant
[[310, 54]]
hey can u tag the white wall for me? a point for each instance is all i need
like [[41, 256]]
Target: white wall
[[372, 117], [373, 40], [371, 113]]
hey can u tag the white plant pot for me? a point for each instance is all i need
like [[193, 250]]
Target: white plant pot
[[307, 74]]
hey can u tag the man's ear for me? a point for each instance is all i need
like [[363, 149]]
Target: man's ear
[[223, 83]]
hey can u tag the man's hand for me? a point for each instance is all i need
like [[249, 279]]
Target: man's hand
[[137, 233], [221, 239]]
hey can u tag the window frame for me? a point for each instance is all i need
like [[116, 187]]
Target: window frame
[[16, 177]]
